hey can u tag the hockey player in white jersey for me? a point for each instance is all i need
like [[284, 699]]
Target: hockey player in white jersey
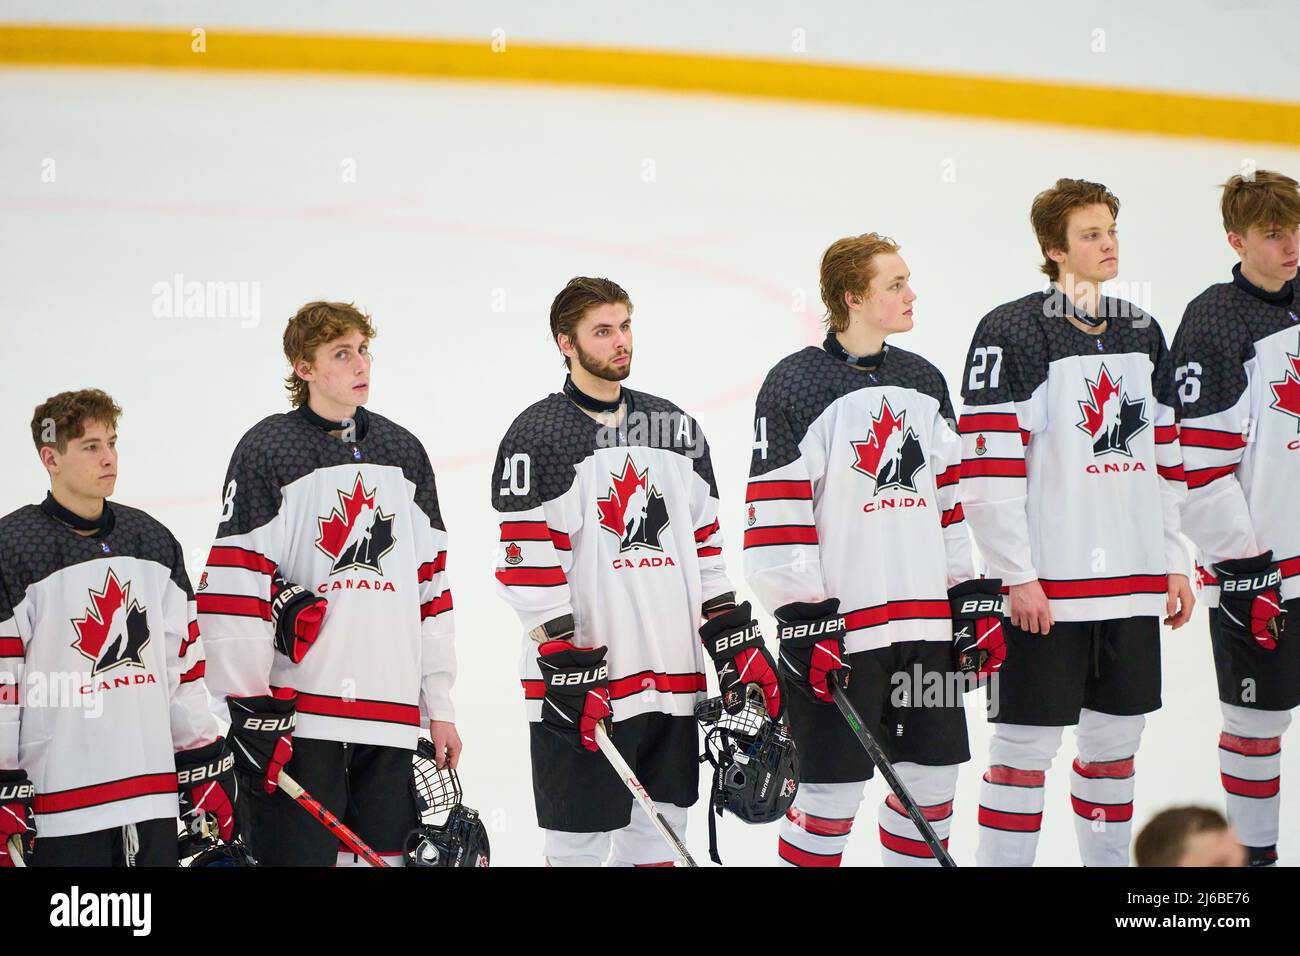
[[611, 555], [854, 522], [1236, 364], [97, 592], [326, 603], [1071, 480]]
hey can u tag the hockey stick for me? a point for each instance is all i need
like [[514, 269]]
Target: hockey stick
[[330, 821], [639, 792], [878, 757], [16, 850]]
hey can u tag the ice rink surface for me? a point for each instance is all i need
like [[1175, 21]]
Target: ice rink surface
[[453, 212]]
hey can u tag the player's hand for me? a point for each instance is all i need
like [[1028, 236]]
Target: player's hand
[[446, 744], [1178, 601], [1030, 610]]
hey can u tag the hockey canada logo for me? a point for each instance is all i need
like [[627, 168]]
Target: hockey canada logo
[[1110, 418], [514, 553], [892, 455], [1286, 391], [357, 533], [633, 510], [115, 630]]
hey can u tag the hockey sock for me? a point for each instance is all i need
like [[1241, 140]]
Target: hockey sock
[[1250, 767], [1011, 796], [816, 827], [1101, 786], [932, 788]]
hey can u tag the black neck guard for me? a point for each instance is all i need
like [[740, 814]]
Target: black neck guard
[[100, 526], [837, 351], [1283, 296], [361, 421], [583, 400]]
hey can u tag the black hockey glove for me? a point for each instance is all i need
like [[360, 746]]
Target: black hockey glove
[[979, 644], [206, 784], [17, 821], [261, 737], [296, 616], [741, 658], [1250, 599], [576, 691], [812, 647]]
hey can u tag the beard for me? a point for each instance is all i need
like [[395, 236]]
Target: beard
[[603, 370]]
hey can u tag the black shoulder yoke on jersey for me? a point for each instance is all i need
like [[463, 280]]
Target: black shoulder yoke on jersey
[[803, 385], [557, 435], [1032, 332], [1220, 328], [280, 449], [33, 545]]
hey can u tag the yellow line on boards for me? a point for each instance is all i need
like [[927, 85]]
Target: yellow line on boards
[[1093, 107]]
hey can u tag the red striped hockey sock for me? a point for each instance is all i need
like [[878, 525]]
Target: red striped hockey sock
[[816, 828]]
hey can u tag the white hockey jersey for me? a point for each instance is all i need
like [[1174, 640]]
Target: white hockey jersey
[[101, 668], [356, 522], [618, 527], [1236, 363], [853, 494], [1071, 471]]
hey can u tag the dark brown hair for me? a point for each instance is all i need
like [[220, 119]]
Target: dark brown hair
[[849, 266], [1264, 199], [63, 417], [1162, 841], [578, 295], [311, 327], [1050, 215]]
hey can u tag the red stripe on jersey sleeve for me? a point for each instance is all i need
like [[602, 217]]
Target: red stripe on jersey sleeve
[[435, 607], [988, 422], [708, 552], [703, 534], [523, 531], [1165, 434], [225, 556], [781, 534], [1211, 438], [431, 568], [194, 673], [993, 468], [1171, 472], [234, 605], [11, 647], [547, 577], [773, 490], [79, 798], [559, 540], [949, 476], [1200, 477], [952, 516]]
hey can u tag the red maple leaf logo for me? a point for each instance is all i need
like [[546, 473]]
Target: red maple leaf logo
[[1286, 392], [334, 531], [1097, 412], [94, 628], [613, 507], [514, 553], [870, 452]]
